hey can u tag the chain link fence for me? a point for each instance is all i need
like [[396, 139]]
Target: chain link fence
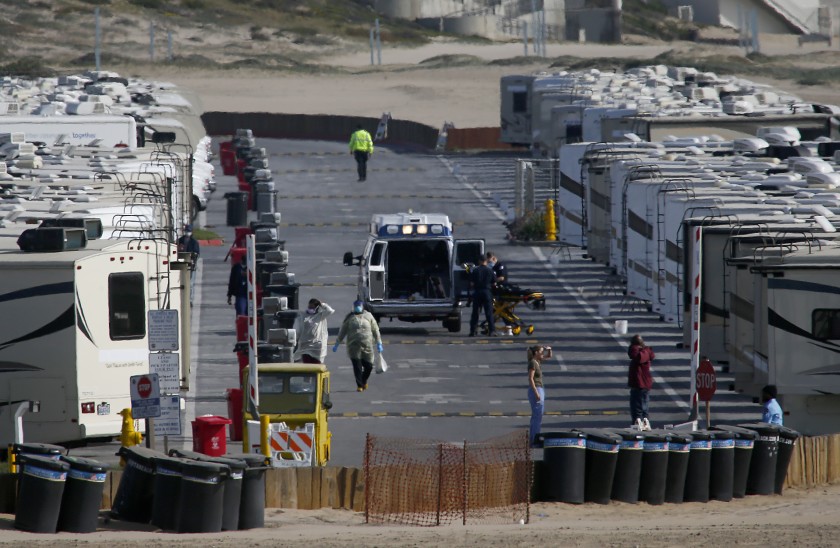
[[429, 482]]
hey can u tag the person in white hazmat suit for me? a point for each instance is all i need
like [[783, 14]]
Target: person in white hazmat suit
[[312, 345], [362, 332]]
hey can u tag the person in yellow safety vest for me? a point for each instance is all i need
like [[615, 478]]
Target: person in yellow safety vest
[[361, 147]]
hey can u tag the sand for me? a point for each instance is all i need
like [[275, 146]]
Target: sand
[[469, 97]]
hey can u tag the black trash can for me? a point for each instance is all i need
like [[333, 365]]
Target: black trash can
[[679, 450], [202, 500], [654, 473], [133, 501], [564, 455], [628, 467], [237, 208], [233, 484], [82, 495], [167, 488], [787, 442], [722, 468], [699, 467], [252, 506], [45, 450], [601, 458], [765, 455], [40, 489], [744, 442]]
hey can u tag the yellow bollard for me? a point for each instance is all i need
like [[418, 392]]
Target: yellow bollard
[[13, 459], [550, 221], [265, 449]]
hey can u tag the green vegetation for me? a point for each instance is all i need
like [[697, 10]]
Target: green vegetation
[[205, 234], [528, 227]]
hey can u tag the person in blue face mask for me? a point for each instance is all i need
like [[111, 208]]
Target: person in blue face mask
[[361, 331], [312, 345]]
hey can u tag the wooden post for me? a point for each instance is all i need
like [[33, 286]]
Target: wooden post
[[440, 482], [464, 481], [367, 477], [708, 415]]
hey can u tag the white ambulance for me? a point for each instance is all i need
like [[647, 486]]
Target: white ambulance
[[413, 270]]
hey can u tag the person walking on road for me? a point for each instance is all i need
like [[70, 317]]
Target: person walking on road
[[640, 381], [482, 278], [536, 392], [312, 347], [362, 333], [361, 147], [238, 287], [188, 244], [772, 410]]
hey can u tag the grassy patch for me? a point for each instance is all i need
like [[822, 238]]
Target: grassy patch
[[204, 234]]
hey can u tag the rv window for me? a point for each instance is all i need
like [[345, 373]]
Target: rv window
[[127, 306], [825, 324], [520, 101], [376, 256]]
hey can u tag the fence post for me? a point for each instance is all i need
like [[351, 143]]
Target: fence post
[[465, 479], [440, 482], [367, 477]]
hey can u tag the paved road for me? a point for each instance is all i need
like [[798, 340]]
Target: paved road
[[441, 385]]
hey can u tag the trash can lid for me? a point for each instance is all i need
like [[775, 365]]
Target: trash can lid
[[763, 428], [85, 465], [214, 420], [253, 460], [738, 432], [562, 434], [628, 433], [138, 453], [679, 436], [173, 464], [722, 435], [234, 463], [656, 436], [38, 449], [788, 433], [43, 462], [204, 470], [241, 346], [600, 435], [701, 435]]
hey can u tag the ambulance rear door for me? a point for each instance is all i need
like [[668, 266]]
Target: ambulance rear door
[[377, 277], [464, 251]]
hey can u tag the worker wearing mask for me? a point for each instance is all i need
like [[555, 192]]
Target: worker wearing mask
[[362, 333], [312, 346]]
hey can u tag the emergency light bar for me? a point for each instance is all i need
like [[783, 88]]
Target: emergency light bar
[[413, 229]]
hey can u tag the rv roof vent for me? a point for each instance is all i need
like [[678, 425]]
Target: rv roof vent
[[91, 226], [52, 239]]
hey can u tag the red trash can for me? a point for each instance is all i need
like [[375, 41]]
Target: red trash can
[[242, 329], [227, 157], [209, 435], [234, 402], [237, 253], [239, 233]]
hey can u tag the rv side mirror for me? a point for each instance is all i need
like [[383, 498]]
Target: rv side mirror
[[348, 258]]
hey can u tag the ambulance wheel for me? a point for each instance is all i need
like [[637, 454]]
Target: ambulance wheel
[[530, 329]]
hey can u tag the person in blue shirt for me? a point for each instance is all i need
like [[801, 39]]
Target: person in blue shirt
[[772, 410]]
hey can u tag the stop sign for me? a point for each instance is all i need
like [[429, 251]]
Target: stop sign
[[706, 381], [144, 387]]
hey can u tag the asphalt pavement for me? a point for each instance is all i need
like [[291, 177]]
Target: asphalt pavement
[[441, 385]]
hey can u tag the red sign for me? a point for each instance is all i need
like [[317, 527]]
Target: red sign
[[706, 381], [144, 387]]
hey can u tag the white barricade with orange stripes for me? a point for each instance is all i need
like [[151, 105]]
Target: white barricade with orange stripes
[[292, 447]]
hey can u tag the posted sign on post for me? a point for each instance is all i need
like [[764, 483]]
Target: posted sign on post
[[706, 381], [163, 330], [145, 396]]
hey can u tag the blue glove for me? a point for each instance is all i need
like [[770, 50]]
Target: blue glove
[[379, 347], [335, 347]]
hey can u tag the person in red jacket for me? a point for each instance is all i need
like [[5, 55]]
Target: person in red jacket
[[640, 381]]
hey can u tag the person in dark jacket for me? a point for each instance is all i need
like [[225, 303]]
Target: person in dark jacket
[[238, 287], [640, 381], [481, 279]]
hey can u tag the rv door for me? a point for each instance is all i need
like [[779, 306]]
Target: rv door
[[465, 251], [377, 277]]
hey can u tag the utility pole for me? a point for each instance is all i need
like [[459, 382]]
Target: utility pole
[[378, 44], [97, 41], [152, 41]]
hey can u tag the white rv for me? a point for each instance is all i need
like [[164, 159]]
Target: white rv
[[74, 328], [108, 131], [413, 269]]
